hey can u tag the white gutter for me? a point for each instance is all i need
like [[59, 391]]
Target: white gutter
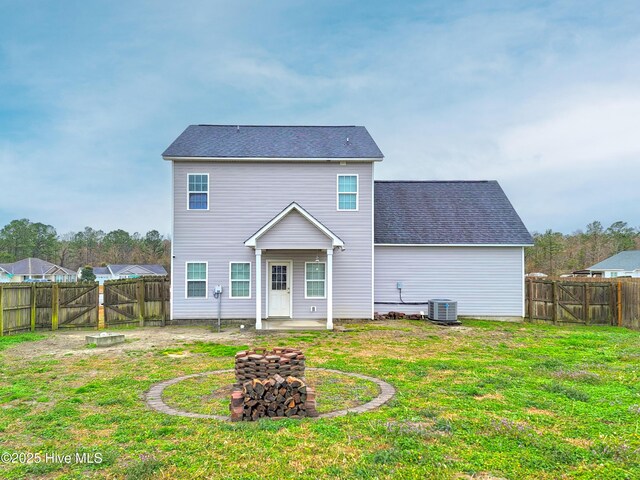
[[272, 159]]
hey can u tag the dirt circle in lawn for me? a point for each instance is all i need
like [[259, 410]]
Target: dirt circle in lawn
[[207, 394]]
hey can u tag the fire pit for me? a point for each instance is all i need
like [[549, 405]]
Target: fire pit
[[271, 384]]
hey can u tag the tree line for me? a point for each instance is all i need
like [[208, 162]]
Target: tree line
[[22, 238], [555, 253]]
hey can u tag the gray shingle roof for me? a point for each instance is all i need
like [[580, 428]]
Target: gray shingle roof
[[34, 266], [628, 260], [249, 141], [438, 212]]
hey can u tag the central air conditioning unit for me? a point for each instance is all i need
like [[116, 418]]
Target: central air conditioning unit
[[443, 310]]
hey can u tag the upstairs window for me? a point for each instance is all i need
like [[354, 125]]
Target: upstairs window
[[347, 192], [240, 278], [198, 191], [196, 279]]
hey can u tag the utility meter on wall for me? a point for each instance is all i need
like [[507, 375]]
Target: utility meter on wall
[[217, 289]]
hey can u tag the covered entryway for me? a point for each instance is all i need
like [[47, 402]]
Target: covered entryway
[[287, 247]]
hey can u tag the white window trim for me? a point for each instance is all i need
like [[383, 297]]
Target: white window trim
[[357, 192], [231, 282], [208, 196], [186, 280], [306, 280]]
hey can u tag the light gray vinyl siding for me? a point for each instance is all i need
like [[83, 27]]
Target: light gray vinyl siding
[[244, 196], [485, 281], [294, 232]]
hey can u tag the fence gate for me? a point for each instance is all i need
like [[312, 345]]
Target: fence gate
[[77, 305], [136, 301], [586, 303], [121, 304]]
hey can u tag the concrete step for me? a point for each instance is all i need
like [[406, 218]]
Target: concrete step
[[294, 325]]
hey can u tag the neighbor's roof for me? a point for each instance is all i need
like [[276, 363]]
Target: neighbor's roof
[[261, 141], [446, 213], [34, 266], [627, 260], [137, 269]]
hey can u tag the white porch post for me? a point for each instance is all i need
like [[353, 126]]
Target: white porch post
[[330, 289], [258, 289]]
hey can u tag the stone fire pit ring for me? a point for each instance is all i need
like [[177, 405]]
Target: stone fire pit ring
[[154, 396]]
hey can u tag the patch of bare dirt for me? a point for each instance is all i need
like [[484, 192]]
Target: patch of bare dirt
[[490, 396], [580, 442], [67, 343], [538, 411], [481, 476]]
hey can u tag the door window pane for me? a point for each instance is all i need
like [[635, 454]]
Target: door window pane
[[278, 277]]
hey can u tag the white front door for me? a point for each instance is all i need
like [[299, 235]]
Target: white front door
[[279, 289]]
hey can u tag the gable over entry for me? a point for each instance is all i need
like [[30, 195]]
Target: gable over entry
[[294, 229]]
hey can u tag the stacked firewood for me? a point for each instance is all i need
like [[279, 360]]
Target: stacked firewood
[[274, 397], [262, 364], [396, 316]]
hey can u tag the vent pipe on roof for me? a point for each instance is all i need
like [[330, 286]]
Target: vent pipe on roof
[[347, 140], [237, 128]]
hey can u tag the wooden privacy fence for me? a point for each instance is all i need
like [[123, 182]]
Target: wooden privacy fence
[[588, 302], [28, 307], [136, 301]]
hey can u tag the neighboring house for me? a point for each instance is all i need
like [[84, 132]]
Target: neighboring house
[[282, 219], [34, 269], [117, 272], [623, 264]]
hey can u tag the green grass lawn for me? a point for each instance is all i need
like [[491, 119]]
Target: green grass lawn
[[490, 400]]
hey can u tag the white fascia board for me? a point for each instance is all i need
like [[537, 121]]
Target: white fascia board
[[271, 159], [335, 241], [453, 245]]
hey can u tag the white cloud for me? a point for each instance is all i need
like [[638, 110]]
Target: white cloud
[[542, 98]]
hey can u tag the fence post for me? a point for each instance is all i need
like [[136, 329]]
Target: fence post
[[554, 292], [140, 294], [619, 303], [163, 310], [530, 298], [1, 313], [587, 308], [55, 306], [33, 307]]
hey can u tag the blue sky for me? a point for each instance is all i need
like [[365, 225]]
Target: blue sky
[[542, 96]]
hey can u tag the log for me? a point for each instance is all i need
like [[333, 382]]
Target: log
[[272, 398]]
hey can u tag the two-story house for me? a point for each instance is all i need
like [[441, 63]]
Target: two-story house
[[283, 220]]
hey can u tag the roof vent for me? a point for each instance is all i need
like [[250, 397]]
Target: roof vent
[[237, 128]]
